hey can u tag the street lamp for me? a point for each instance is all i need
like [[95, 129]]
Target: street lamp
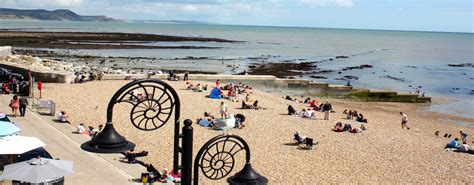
[[153, 102]]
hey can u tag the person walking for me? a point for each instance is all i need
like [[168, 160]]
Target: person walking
[[15, 104], [463, 136], [186, 76], [23, 105], [404, 121], [327, 107]]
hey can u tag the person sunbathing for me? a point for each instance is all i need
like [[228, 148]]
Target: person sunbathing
[[338, 127], [465, 148], [453, 144], [360, 118], [131, 156]]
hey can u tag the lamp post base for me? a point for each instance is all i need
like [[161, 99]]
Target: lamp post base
[[88, 146]]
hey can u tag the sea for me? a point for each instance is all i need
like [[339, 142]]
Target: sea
[[401, 60]]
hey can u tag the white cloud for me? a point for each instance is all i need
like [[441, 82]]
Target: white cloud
[[190, 8], [340, 3], [41, 3]]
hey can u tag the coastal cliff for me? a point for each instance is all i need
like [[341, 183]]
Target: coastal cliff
[[55, 15]]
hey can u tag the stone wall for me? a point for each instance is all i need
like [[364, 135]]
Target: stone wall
[[44, 76], [5, 50], [297, 87]]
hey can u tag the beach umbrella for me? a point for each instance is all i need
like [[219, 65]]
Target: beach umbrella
[[19, 144], [4, 117], [8, 129], [37, 170]]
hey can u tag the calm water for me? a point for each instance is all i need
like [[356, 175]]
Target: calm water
[[421, 58]]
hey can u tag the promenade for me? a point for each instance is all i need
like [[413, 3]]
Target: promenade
[[89, 168]]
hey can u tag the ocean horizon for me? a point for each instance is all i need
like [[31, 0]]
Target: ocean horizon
[[402, 60]]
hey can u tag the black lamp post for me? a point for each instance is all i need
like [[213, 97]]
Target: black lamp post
[[216, 159], [152, 108]]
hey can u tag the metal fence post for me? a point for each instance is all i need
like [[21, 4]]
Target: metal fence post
[[187, 155]]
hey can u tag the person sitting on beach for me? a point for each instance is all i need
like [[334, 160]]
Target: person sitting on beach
[[348, 114], [307, 100], [255, 105], [199, 88], [288, 97], [453, 144], [131, 156], [310, 114], [239, 121], [81, 129], [291, 110], [62, 117], [302, 113], [312, 103], [190, 86], [5, 88], [166, 177], [93, 132], [338, 127], [298, 138]]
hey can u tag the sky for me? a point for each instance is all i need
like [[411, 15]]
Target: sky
[[418, 15]]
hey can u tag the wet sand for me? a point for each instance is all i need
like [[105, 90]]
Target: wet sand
[[382, 154]]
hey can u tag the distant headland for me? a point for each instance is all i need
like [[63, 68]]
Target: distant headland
[[45, 15]]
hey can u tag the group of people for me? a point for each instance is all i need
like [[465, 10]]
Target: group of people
[[311, 112], [82, 77], [12, 86], [348, 127], [236, 88], [353, 114], [210, 121], [197, 88], [456, 145], [92, 132]]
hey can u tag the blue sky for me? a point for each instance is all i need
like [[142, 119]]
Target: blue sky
[[422, 15]]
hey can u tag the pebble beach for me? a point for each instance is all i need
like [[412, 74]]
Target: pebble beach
[[384, 153]]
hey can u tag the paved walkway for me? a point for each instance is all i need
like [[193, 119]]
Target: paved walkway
[[89, 168]]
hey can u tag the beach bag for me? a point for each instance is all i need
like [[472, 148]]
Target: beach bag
[[144, 178]]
